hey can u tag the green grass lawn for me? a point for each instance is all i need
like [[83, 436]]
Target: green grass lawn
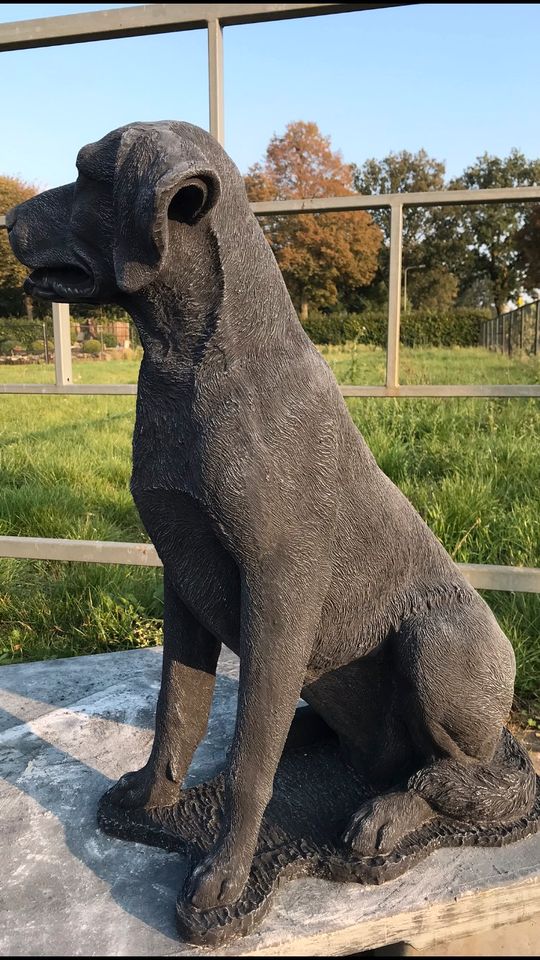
[[470, 466]]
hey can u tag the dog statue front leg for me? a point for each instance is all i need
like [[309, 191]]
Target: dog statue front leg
[[190, 656], [280, 613]]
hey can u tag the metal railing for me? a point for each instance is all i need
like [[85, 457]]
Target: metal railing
[[516, 331], [161, 18]]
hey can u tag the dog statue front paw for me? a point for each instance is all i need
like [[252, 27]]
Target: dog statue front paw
[[219, 879], [378, 826], [144, 789]]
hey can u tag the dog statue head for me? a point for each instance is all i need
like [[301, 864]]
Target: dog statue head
[[144, 194]]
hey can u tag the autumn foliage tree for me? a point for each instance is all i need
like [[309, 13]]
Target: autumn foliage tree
[[12, 272], [320, 255]]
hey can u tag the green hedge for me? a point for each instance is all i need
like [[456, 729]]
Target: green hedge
[[460, 327], [21, 330]]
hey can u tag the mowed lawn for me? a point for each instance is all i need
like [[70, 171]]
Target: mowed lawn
[[470, 466]]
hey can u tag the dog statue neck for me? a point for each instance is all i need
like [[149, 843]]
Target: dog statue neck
[[219, 293]]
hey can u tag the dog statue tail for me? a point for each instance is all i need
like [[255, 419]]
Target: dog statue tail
[[502, 790]]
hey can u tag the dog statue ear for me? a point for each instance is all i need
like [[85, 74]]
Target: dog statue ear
[[152, 188]]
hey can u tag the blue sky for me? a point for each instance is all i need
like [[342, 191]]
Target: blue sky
[[455, 79]]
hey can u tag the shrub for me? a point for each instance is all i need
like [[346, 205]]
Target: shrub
[[126, 353], [6, 346], [92, 347], [324, 328], [109, 340], [37, 346], [341, 327]]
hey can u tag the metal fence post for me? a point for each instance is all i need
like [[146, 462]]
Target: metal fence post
[[62, 344], [536, 329], [215, 79], [394, 295]]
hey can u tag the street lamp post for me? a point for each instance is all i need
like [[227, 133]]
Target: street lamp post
[[420, 266]]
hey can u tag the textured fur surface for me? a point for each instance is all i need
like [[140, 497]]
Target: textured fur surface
[[279, 535]]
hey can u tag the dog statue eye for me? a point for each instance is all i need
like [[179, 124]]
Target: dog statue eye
[[188, 203]]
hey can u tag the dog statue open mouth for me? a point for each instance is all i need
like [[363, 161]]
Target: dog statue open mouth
[[64, 284], [281, 538], [68, 284]]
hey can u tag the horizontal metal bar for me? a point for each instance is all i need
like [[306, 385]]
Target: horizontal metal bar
[[359, 201], [481, 576], [429, 198], [82, 551], [152, 18], [487, 576], [445, 390], [77, 389], [348, 390]]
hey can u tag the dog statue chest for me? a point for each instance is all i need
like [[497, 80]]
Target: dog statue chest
[[203, 572]]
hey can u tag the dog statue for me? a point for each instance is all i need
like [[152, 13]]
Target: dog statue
[[280, 537]]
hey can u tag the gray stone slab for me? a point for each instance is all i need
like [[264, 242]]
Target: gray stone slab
[[71, 727]]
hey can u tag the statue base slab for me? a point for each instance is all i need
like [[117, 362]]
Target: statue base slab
[[68, 730], [315, 796]]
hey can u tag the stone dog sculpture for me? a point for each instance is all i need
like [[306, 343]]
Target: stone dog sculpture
[[279, 535]]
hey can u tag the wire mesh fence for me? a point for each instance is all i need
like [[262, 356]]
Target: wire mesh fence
[[517, 331]]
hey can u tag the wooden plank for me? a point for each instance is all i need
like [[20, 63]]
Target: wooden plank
[[470, 913], [153, 18]]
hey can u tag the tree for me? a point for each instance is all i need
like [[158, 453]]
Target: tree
[[490, 232], [321, 256], [435, 288], [404, 172], [12, 272], [528, 246]]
